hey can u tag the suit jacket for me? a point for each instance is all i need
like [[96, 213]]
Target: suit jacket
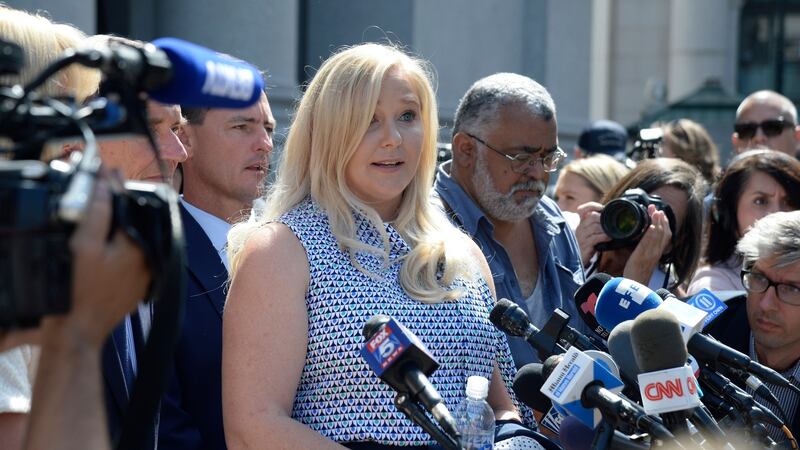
[[117, 362], [733, 329], [191, 410]]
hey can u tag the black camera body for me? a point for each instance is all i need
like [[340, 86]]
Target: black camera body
[[625, 219], [647, 144], [35, 256]]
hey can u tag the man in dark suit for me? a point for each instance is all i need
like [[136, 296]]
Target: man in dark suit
[[766, 323], [228, 160], [135, 160]]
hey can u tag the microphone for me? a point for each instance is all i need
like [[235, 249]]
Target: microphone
[[708, 302], [667, 384], [746, 412], [397, 356], [576, 382], [508, 317], [174, 71], [511, 319], [621, 349], [557, 326], [586, 300], [758, 387], [622, 299], [664, 293], [574, 435], [527, 386], [707, 349], [740, 399]]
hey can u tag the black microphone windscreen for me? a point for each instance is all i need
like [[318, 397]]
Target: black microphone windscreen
[[550, 364], [665, 293], [373, 325], [528, 384], [621, 349], [574, 435], [657, 341], [500, 308], [508, 317]]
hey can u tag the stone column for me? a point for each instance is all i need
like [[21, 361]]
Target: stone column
[[702, 44]]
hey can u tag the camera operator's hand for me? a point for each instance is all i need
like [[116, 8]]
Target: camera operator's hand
[[647, 254], [109, 278], [589, 232]]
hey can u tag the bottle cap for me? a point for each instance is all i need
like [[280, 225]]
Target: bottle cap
[[477, 387]]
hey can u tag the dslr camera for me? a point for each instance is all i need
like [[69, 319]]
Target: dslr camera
[[625, 219]]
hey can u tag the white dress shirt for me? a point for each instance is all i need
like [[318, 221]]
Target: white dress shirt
[[215, 228]]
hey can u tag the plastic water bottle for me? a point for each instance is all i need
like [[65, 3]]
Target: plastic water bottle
[[474, 417]]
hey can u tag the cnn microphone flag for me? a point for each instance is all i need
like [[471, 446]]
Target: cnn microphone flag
[[669, 390]]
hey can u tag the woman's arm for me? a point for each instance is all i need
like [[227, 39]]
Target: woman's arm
[[499, 398], [264, 340]]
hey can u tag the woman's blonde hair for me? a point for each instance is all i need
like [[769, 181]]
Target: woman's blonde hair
[[329, 124], [601, 172], [42, 41]]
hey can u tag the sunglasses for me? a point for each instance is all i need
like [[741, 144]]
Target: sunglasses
[[770, 128]]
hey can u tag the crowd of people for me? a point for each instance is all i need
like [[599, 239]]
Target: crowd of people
[[360, 220]]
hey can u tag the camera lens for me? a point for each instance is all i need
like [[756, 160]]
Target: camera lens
[[623, 219]]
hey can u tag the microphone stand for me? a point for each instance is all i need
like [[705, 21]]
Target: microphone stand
[[750, 411], [412, 410], [558, 329], [607, 438], [603, 436], [709, 428]]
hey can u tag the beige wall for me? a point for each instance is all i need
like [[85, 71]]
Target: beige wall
[[599, 58]]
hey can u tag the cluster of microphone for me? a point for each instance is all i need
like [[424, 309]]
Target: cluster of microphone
[[658, 381], [651, 379]]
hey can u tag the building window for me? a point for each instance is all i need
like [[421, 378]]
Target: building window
[[769, 47]]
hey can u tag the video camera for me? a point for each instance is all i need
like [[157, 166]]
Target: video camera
[[44, 202], [625, 219]]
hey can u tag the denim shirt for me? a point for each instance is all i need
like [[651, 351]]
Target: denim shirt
[[560, 267]]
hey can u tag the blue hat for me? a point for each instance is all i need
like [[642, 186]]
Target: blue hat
[[606, 137]]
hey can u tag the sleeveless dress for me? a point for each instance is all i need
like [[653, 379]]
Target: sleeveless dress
[[338, 395]]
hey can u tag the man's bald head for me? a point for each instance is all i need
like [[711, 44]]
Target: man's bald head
[[766, 119]]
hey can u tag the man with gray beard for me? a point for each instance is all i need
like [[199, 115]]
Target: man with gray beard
[[505, 144]]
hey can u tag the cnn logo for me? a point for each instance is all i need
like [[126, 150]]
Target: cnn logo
[[675, 388]]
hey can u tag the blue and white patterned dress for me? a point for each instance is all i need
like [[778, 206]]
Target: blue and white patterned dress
[[338, 395]]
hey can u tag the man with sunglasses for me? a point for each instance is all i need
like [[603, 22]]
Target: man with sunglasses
[[505, 145], [766, 119], [765, 324]]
